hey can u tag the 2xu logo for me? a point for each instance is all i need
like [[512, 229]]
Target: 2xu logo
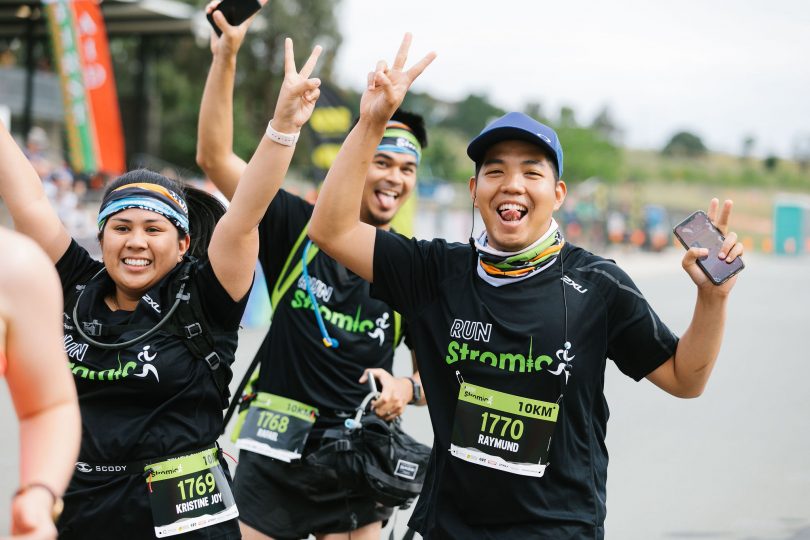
[[577, 287]]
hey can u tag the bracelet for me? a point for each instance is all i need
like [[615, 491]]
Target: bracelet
[[58, 504], [285, 139]]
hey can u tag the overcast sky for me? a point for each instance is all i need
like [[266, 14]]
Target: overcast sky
[[723, 69]]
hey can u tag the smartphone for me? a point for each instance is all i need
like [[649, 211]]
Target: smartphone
[[372, 384], [698, 231], [236, 12]]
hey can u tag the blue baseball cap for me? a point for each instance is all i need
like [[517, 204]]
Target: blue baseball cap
[[515, 125]]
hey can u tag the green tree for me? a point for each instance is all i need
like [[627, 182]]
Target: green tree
[[567, 118], [179, 67], [605, 125], [446, 157], [685, 144], [535, 110], [748, 144], [471, 114], [588, 153]]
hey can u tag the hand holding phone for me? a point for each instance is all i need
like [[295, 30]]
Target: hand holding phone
[[698, 231], [236, 12]]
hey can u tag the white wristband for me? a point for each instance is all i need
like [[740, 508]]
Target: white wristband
[[286, 139]]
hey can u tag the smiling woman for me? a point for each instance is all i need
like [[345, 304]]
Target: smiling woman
[[144, 226], [151, 332]]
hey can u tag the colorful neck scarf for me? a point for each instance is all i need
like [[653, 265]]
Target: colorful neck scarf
[[508, 266], [399, 138], [152, 197]]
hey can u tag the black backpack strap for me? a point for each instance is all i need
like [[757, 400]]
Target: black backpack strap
[[191, 324]]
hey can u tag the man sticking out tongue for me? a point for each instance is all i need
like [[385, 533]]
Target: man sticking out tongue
[[514, 329]]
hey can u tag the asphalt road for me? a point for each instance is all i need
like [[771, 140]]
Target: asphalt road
[[732, 464]]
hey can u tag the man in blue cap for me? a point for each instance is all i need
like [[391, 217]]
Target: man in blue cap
[[514, 329]]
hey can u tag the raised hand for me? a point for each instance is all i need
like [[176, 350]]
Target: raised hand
[[298, 94], [387, 86], [232, 36], [731, 250]]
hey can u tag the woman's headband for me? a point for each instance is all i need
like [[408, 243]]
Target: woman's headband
[[147, 196]]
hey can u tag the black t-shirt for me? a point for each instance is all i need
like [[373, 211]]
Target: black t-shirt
[[294, 361], [148, 400], [510, 340]]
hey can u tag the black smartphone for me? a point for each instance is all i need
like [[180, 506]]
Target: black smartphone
[[236, 12], [698, 231]]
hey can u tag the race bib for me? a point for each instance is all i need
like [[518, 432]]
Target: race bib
[[502, 431], [188, 493], [276, 427]]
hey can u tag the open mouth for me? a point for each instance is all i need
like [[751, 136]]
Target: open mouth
[[387, 198], [140, 263], [512, 212]]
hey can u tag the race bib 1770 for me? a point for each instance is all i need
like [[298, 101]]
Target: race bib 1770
[[503, 431]]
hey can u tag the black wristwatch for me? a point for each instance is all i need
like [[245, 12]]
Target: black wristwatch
[[417, 391]]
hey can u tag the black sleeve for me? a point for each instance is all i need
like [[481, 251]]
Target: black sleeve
[[638, 341], [76, 267], [280, 227], [222, 311], [407, 272]]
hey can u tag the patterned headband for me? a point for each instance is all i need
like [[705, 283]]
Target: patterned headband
[[399, 138], [146, 196]]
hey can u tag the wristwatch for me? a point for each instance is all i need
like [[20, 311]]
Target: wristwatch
[[417, 391]]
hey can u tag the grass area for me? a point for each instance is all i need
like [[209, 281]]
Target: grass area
[[716, 169]]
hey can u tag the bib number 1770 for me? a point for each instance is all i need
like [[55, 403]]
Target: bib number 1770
[[513, 425]]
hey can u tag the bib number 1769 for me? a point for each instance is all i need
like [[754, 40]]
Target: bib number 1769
[[197, 487]]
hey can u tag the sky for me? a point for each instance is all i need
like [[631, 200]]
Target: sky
[[722, 69]]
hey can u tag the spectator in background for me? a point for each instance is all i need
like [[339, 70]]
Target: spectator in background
[[36, 147]]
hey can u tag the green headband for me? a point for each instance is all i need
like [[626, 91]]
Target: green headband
[[399, 138]]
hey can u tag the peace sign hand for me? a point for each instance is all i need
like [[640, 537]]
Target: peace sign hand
[[387, 86], [731, 250], [298, 94]]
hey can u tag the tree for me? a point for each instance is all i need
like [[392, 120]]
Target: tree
[[567, 118], [801, 151], [770, 163], [535, 110], [588, 153], [472, 114], [748, 144], [684, 144], [604, 124], [180, 66]]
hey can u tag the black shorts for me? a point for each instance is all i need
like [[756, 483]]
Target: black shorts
[[117, 506], [291, 501]]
